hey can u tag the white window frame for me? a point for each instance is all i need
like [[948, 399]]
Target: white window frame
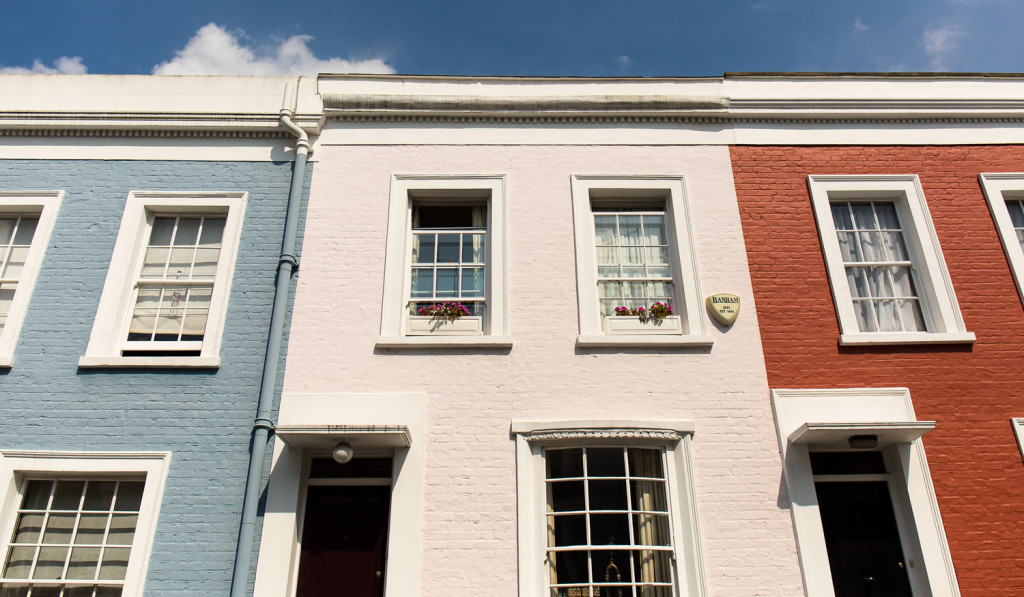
[[674, 436], [45, 205], [938, 302], [1018, 432], [806, 418], [685, 278], [110, 328], [18, 465], [998, 187], [312, 424], [405, 189]]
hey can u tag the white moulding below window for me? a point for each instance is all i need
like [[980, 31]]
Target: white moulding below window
[[432, 326], [616, 324]]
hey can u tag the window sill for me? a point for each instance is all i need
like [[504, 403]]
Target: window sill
[[6, 361], [88, 362], [893, 338], [444, 342], [640, 340]]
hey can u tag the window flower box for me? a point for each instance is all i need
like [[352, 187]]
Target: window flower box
[[435, 326], [632, 325]]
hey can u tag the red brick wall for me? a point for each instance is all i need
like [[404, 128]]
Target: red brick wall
[[971, 391]]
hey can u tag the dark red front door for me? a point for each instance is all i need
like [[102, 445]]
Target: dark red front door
[[344, 541]]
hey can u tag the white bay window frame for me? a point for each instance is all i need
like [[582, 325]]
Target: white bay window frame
[[533, 437], [44, 205], [1000, 187], [109, 335], [472, 189], [621, 190], [937, 300], [19, 466]]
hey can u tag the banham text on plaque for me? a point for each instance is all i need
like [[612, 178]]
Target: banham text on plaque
[[724, 307]]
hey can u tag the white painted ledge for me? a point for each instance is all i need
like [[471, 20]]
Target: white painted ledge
[[640, 340], [888, 339], [6, 361], [399, 342], [152, 362]]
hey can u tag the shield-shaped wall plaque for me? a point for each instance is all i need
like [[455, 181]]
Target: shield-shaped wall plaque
[[724, 307]]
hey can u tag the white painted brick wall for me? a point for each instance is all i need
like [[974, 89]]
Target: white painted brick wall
[[469, 516]]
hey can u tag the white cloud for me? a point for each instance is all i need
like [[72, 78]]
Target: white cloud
[[216, 51], [940, 42], [624, 62], [65, 65], [858, 25]]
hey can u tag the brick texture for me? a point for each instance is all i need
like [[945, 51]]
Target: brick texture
[[971, 391], [203, 418]]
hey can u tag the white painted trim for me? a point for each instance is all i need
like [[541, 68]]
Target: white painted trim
[[194, 149], [400, 342], [277, 568], [691, 576], [114, 312], [686, 278], [397, 272], [917, 511], [999, 187], [892, 338], [649, 341], [1018, 432], [16, 465], [938, 301], [45, 204]]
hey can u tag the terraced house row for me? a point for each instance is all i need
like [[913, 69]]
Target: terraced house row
[[387, 336]]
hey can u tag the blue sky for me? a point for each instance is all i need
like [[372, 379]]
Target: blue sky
[[511, 37]]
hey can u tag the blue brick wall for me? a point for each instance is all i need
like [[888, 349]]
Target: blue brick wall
[[203, 417]]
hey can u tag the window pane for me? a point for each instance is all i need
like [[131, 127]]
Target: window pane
[[604, 229], [611, 566], [657, 255], [841, 216], [886, 213], [154, 263], [654, 567], [7, 229], [848, 247], [570, 530], [447, 282], [894, 248], [162, 231], [864, 216], [607, 495], [564, 463], [26, 230], [83, 563], [115, 563], [58, 528], [187, 233], [645, 463], [871, 245], [629, 230], [903, 284], [19, 562], [206, 263], [878, 281], [651, 529], [913, 320], [37, 495], [122, 529], [654, 230], [605, 462], [16, 262], [423, 248], [473, 248], [99, 495], [858, 280], [648, 496], [67, 495], [28, 527], [91, 528], [422, 282], [571, 567], [129, 496], [566, 496], [448, 248], [180, 264], [608, 255], [50, 563], [473, 282], [213, 231], [1016, 210], [888, 319]]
